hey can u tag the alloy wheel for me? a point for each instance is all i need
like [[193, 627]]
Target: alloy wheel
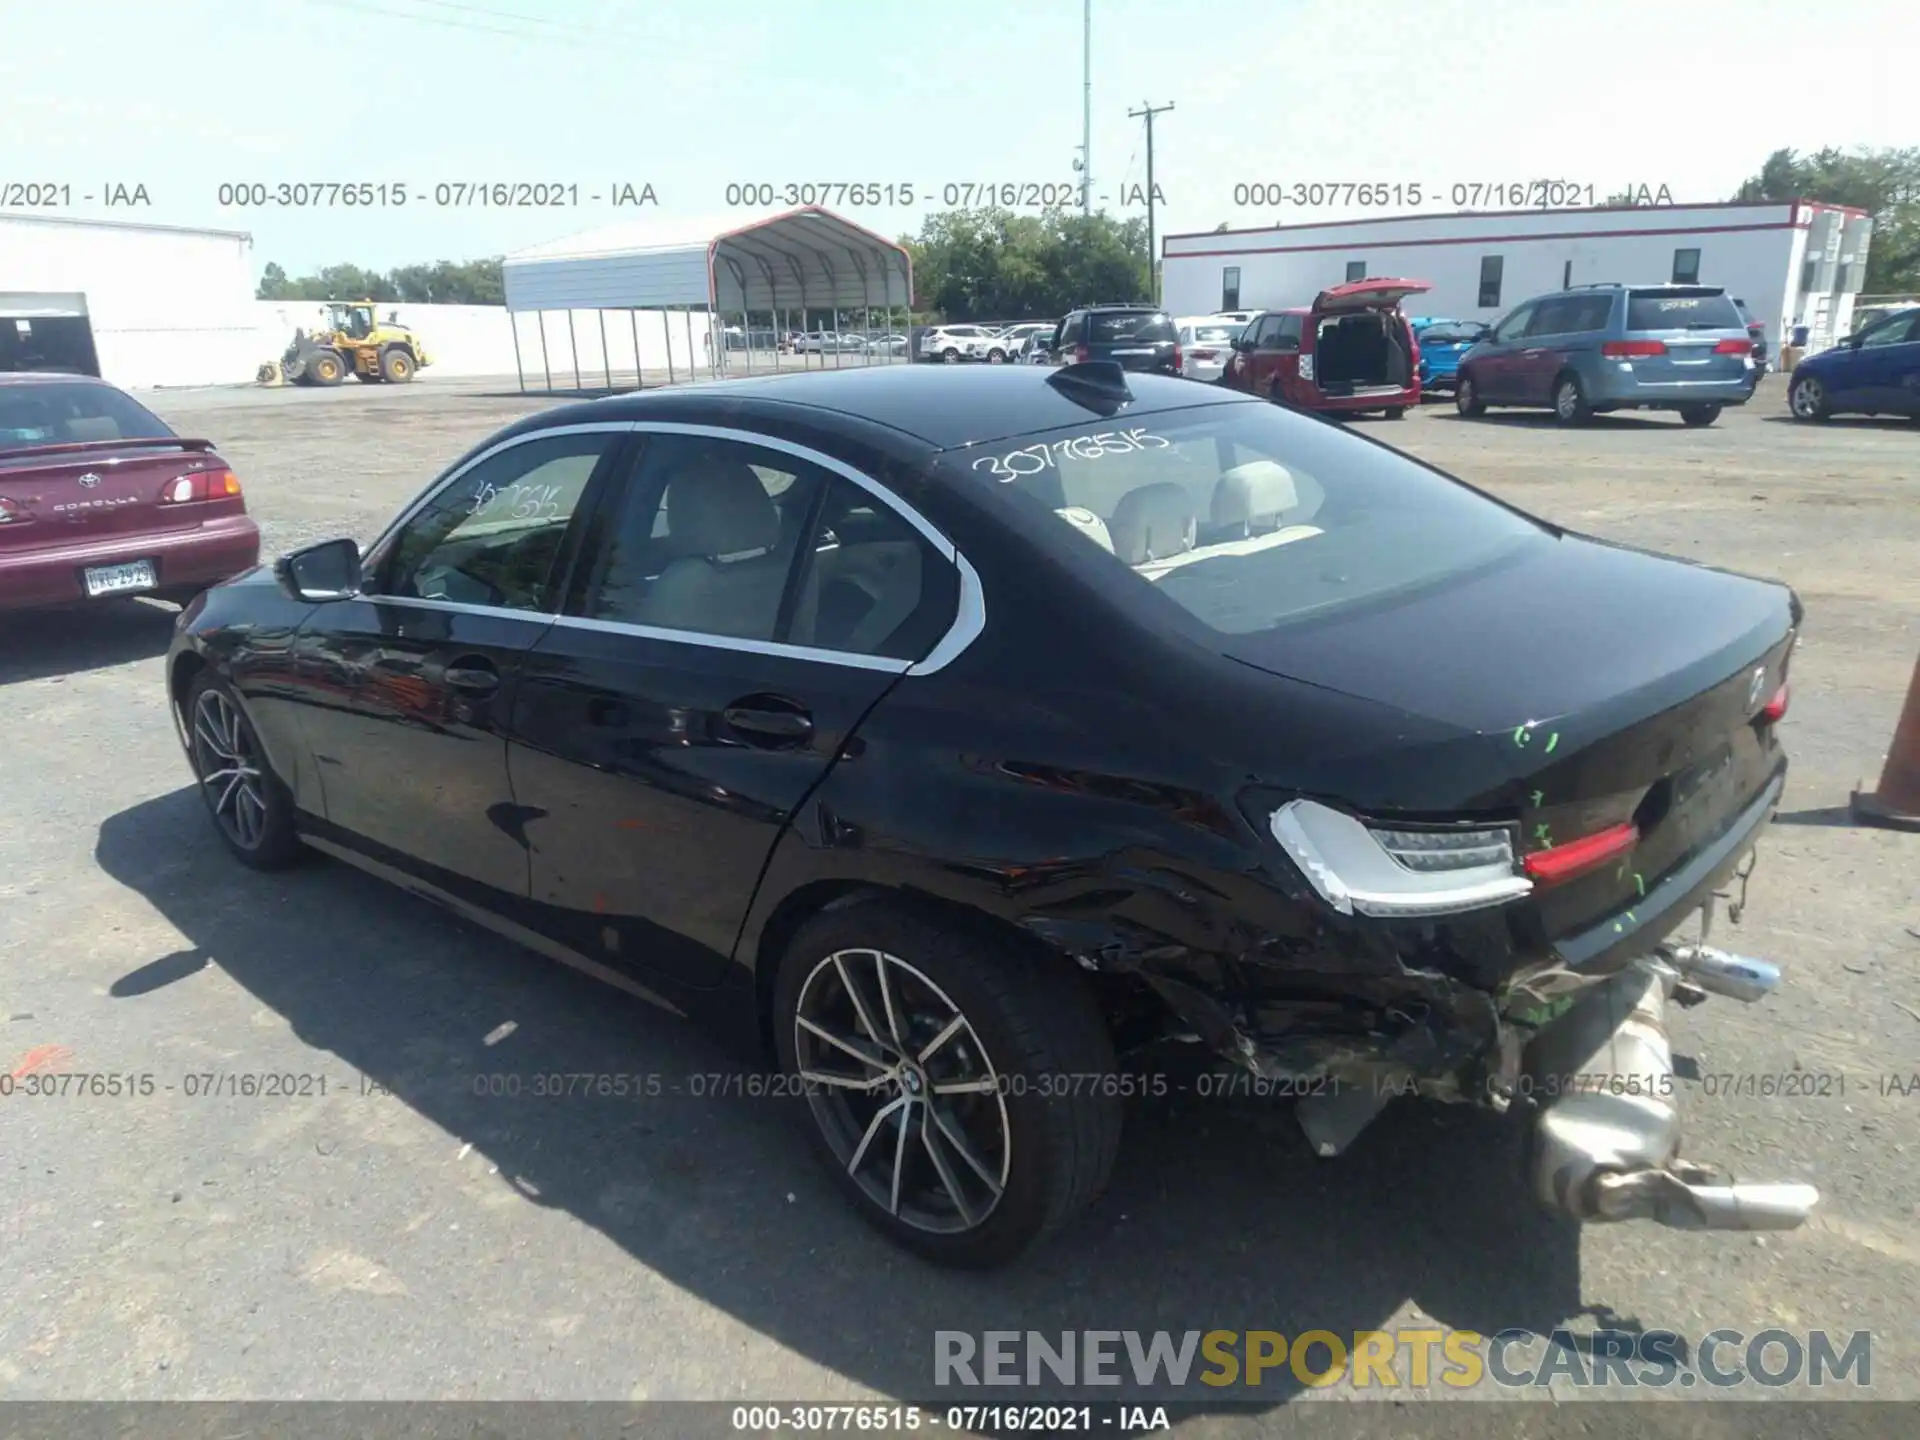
[[226, 758], [903, 1090], [1808, 399], [1567, 400]]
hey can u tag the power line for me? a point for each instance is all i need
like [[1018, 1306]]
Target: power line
[[578, 36]]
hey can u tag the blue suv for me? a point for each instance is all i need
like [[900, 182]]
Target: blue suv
[[1594, 348]]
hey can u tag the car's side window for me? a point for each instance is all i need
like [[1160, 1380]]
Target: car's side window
[[1286, 332], [493, 536], [1551, 317], [1515, 325], [1895, 331], [702, 538], [870, 583]]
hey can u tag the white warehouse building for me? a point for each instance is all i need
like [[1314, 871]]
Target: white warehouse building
[[165, 305], [1791, 262]]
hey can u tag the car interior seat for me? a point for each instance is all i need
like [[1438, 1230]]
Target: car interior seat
[[727, 570]]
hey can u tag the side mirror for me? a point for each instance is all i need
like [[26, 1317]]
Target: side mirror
[[327, 571]]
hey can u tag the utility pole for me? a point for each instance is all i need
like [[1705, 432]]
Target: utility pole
[[1086, 108], [1147, 111]]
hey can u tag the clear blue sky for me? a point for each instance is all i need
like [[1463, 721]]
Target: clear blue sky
[[689, 95]]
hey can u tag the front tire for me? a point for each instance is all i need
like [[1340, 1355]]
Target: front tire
[[1699, 414], [327, 368], [1808, 400], [396, 367], [1466, 399], [1570, 405], [1396, 413], [251, 809], [959, 1089]]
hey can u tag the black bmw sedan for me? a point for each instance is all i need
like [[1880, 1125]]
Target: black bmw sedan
[[969, 739]]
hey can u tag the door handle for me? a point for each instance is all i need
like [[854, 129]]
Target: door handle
[[765, 723], [472, 673]]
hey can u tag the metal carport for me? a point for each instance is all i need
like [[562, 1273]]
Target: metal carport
[[766, 267]]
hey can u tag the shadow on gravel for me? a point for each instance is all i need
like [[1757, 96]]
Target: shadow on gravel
[[46, 643], [1218, 1217], [1849, 422], [1546, 420], [1831, 815]]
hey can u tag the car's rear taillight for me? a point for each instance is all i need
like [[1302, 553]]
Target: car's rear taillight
[[1776, 708], [1397, 873], [1734, 347], [1559, 863], [1632, 349], [201, 485], [1080, 353], [1203, 355], [1178, 362]]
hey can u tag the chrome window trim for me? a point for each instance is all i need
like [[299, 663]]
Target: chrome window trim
[[545, 618], [730, 642], [825, 462], [452, 477], [969, 620], [970, 617]]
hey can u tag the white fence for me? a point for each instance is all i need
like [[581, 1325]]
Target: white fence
[[465, 340]]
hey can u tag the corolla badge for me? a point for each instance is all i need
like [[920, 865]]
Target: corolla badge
[[1758, 684], [89, 480]]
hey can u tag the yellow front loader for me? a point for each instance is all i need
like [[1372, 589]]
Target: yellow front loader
[[354, 341]]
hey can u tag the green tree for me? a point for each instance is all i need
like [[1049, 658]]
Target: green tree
[[1885, 183], [996, 265], [444, 282]]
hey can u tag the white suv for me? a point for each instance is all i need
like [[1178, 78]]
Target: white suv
[[954, 343]]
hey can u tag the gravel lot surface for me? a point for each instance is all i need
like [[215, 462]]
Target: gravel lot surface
[[400, 1236]]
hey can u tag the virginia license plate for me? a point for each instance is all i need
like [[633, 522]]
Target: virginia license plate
[[118, 579]]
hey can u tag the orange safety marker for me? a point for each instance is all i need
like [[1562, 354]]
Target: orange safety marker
[[1895, 804]]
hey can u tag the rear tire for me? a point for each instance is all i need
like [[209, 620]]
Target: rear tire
[[999, 1166], [1466, 398], [1570, 405], [1396, 413], [996, 357], [950, 357], [1808, 400], [251, 809], [1699, 414]]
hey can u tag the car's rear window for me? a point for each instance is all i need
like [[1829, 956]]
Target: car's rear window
[[1143, 325], [55, 413], [1246, 516], [1451, 334], [1212, 334], [1682, 309]]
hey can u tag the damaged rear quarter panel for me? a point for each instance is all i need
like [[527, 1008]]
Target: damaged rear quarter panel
[[1096, 824]]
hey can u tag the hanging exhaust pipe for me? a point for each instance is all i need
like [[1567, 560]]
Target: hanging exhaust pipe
[[1606, 1142], [1721, 972]]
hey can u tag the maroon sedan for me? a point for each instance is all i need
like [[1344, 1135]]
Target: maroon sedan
[[98, 497]]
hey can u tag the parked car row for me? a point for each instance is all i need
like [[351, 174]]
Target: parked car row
[[827, 342]]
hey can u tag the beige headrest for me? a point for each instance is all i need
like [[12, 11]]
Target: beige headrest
[[1254, 494], [1153, 522]]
